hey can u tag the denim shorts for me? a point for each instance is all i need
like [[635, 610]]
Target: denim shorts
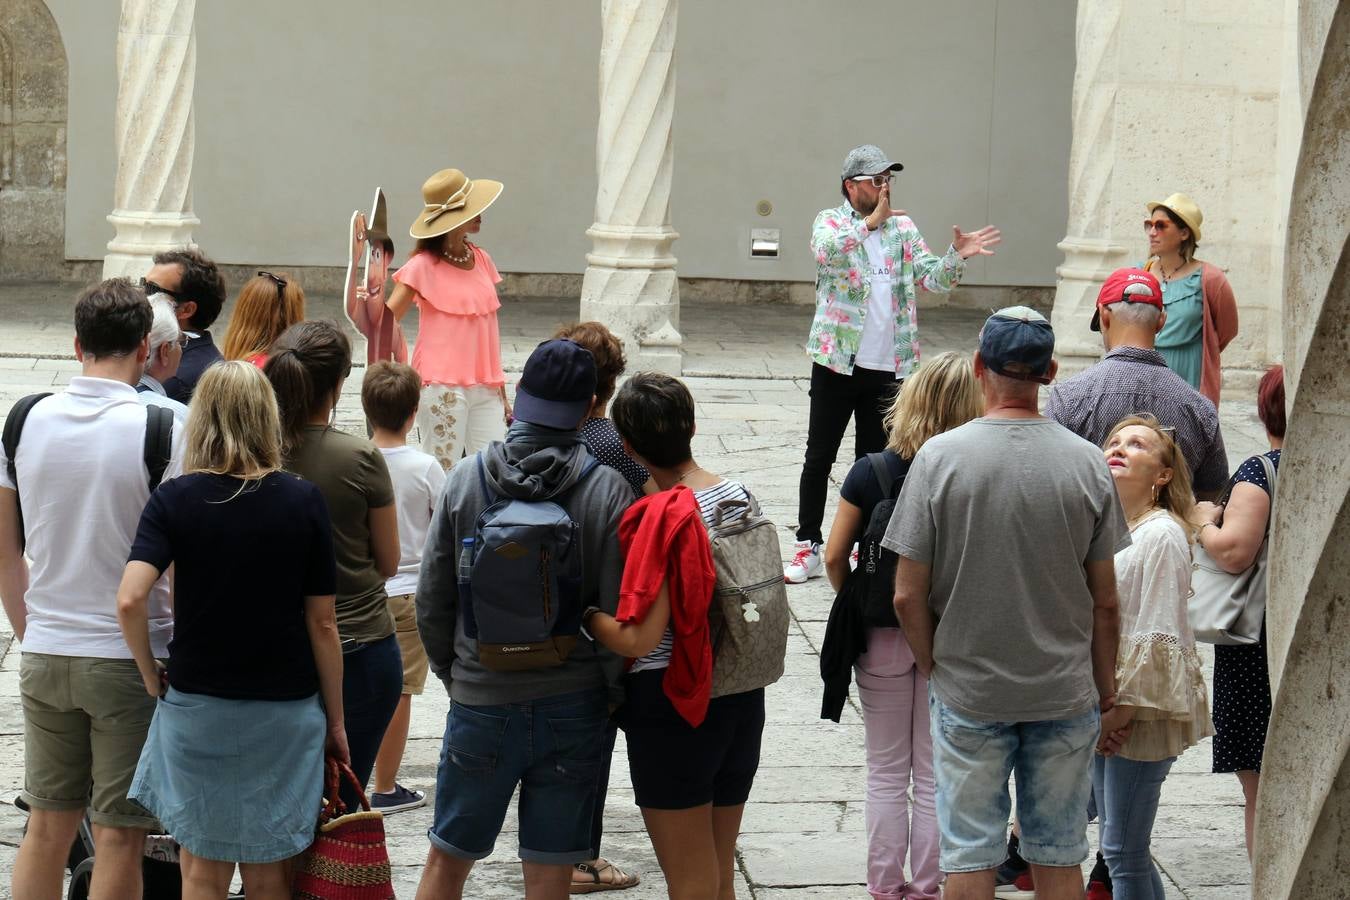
[[552, 748], [972, 760]]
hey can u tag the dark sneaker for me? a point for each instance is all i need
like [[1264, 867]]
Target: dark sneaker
[[1099, 882], [1013, 878], [397, 800]]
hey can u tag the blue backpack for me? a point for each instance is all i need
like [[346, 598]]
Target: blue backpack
[[520, 580]]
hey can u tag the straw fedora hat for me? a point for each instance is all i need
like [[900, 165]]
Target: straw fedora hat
[[1186, 211], [450, 198]]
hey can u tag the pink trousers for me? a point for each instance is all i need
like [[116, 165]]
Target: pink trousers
[[894, 699]]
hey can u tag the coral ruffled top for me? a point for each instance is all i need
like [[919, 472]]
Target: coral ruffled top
[[458, 342]]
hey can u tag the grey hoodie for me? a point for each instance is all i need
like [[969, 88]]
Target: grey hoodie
[[531, 468]]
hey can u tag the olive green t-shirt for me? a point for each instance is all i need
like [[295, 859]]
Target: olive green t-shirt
[[351, 474]]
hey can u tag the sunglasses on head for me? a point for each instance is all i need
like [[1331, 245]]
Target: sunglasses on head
[[151, 289], [277, 280]]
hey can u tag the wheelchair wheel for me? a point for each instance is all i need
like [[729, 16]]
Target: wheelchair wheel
[[80, 877]]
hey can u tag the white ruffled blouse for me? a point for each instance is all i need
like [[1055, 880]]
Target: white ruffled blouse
[[1157, 668]]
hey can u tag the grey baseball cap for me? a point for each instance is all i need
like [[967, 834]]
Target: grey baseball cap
[[868, 160]]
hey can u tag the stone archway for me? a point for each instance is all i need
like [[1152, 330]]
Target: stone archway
[[33, 106]]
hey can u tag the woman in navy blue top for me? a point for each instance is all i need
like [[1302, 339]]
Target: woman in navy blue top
[[252, 694]]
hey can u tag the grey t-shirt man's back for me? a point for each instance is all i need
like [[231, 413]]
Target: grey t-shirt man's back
[[1007, 512]]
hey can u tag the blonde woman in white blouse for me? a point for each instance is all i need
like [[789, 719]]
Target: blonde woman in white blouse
[[1160, 691]]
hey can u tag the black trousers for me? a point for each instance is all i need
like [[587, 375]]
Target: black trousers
[[864, 397]]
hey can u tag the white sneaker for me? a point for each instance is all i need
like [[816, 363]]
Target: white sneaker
[[805, 563]]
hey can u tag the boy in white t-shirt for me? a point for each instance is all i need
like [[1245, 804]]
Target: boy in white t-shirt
[[389, 397]]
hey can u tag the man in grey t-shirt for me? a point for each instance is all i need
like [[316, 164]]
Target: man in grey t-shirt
[[1007, 528]]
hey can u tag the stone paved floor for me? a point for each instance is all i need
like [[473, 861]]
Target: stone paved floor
[[804, 833]]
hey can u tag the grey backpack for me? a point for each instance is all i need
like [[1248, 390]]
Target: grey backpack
[[520, 583], [749, 613]]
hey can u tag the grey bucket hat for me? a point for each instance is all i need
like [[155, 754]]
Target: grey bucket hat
[[868, 160]]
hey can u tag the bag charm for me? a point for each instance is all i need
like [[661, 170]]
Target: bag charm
[[750, 611]]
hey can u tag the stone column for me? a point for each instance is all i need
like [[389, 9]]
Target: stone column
[[1213, 74], [1303, 815], [156, 70], [1089, 252], [630, 282]]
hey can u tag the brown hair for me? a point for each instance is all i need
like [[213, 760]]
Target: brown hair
[[267, 305], [606, 349], [232, 425], [389, 393], [941, 395], [307, 364], [201, 283], [655, 414], [112, 318], [1175, 496]]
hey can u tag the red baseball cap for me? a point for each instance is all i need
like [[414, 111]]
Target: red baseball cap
[[1127, 286]]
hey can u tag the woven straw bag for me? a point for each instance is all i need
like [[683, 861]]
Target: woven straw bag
[[348, 859]]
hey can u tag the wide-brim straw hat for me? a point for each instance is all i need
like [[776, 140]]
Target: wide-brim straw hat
[[450, 198], [1186, 211]]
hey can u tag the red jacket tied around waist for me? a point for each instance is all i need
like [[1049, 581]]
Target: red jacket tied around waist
[[663, 539]]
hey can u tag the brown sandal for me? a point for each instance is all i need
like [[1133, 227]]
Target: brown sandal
[[604, 877]]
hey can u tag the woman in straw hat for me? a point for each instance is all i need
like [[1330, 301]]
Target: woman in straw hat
[[458, 351], [1197, 299]]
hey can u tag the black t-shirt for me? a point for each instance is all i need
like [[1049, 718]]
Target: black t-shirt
[[244, 561], [860, 486]]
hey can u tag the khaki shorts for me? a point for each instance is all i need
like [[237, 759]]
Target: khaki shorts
[[85, 721], [404, 611]]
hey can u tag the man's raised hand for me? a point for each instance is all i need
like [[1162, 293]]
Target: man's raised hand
[[883, 210], [976, 243]]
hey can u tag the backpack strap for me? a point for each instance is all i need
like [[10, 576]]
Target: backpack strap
[[882, 473], [488, 497], [18, 414], [158, 448]]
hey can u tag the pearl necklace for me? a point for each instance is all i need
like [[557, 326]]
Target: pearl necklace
[[459, 260]]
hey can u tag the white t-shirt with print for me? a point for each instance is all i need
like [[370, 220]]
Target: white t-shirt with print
[[418, 479], [876, 348]]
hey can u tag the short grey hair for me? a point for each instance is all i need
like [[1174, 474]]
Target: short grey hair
[[164, 325], [1140, 315]]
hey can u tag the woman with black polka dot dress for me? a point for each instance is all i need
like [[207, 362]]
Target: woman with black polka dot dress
[[1232, 534]]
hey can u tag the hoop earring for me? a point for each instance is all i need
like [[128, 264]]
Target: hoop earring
[[1155, 495]]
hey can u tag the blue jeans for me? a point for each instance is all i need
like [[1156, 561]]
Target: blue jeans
[[1127, 793], [552, 748], [372, 679], [972, 760]]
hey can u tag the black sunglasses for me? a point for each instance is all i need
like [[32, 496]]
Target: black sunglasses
[[278, 280], [151, 289]]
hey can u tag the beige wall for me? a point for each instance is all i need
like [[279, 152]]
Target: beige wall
[[301, 111]]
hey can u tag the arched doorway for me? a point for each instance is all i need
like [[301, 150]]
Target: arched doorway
[[33, 110]]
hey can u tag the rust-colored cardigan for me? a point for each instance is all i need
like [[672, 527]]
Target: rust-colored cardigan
[[1220, 327]]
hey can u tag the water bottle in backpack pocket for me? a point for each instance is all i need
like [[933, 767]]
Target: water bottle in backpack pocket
[[523, 604]]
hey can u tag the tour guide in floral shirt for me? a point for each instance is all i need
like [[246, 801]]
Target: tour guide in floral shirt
[[864, 337]]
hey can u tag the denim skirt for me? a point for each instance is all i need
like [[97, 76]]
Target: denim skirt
[[234, 780]]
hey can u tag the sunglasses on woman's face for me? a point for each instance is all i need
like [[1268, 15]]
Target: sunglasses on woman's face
[[1159, 226]]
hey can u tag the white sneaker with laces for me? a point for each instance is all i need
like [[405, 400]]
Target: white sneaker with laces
[[805, 563]]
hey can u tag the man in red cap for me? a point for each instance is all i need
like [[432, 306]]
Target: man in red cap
[[1133, 378]]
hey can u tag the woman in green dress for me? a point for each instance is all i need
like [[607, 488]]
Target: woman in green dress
[[1197, 299]]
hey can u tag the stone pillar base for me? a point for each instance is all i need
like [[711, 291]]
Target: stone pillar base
[[1087, 262], [642, 307], [140, 235]]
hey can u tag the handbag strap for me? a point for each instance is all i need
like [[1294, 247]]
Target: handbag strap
[[334, 772], [1271, 479]]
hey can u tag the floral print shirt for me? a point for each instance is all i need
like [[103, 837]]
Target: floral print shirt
[[842, 285]]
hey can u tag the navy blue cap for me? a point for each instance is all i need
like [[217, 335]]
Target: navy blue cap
[[557, 386], [1018, 342]]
